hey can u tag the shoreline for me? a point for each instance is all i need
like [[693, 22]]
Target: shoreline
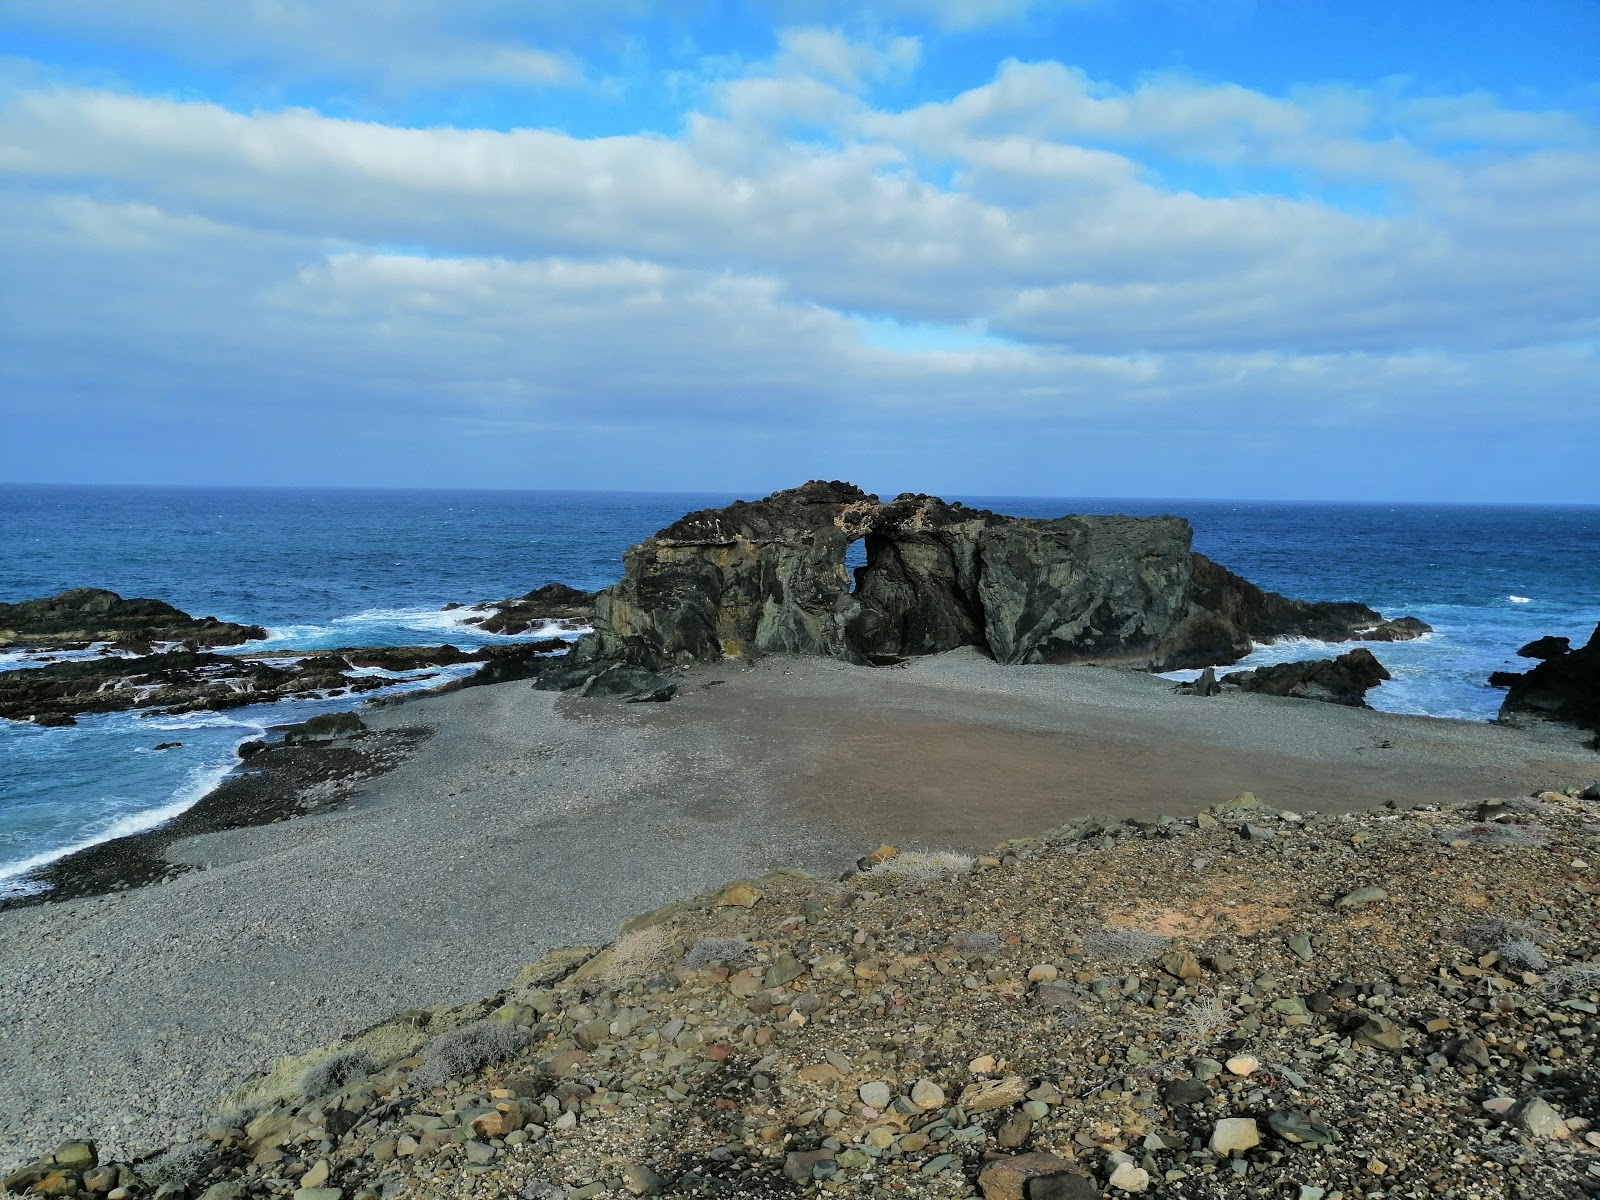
[[528, 821]]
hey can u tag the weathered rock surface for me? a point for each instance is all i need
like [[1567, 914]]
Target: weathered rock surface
[[1343, 680], [868, 1041], [769, 577], [84, 615], [1564, 687]]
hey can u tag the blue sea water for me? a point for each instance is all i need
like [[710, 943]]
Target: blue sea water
[[324, 568]]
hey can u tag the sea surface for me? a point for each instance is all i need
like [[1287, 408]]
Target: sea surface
[[324, 568]]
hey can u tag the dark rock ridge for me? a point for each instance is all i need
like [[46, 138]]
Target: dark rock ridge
[[85, 615], [769, 577], [1343, 680], [1564, 687], [183, 681]]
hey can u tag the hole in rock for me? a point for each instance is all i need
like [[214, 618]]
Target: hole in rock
[[855, 556]]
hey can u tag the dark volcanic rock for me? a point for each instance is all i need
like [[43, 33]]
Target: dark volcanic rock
[[86, 615], [1342, 680], [1546, 647], [1564, 687], [181, 681], [769, 577], [567, 607]]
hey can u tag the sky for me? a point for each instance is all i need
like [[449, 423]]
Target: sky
[[1261, 249]]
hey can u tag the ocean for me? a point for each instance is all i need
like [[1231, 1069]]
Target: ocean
[[329, 567]]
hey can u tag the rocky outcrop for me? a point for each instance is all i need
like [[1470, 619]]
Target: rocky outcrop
[[769, 577], [85, 615], [554, 604], [1564, 687], [1343, 680]]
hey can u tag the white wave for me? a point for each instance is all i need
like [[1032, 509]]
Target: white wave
[[211, 722], [201, 781], [1520, 599], [451, 623]]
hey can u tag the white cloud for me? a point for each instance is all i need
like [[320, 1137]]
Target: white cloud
[[737, 278]]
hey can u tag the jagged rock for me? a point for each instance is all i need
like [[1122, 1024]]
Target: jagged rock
[[1343, 680], [769, 577], [1205, 685], [85, 615], [1564, 687]]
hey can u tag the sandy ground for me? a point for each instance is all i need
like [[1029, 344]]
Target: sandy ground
[[529, 821]]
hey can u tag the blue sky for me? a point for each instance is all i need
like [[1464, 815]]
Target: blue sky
[[1113, 247]]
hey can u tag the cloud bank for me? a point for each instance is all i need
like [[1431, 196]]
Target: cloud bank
[[1040, 283]]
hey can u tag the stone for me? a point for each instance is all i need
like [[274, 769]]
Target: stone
[[1185, 1091], [1071, 1186], [739, 895], [1295, 1126], [1361, 897], [1234, 1135], [319, 1194], [990, 1094], [1129, 1178], [1181, 964], [801, 1165], [481, 1153], [1014, 1130], [1538, 1119], [1380, 1033], [926, 1094], [1042, 973], [317, 1175], [227, 1190], [1300, 946], [641, 1180], [1011, 1177], [876, 1094], [1243, 1064], [77, 1156]]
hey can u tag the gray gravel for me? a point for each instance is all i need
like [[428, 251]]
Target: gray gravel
[[527, 823]]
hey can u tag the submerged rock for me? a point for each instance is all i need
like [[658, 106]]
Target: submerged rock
[[770, 577]]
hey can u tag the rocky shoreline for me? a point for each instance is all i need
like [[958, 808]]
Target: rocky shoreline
[[1244, 1003], [299, 774]]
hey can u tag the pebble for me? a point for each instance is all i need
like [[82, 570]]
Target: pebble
[[1234, 1135], [875, 1095], [926, 1094], [1243, 1065], [1129, 1178]]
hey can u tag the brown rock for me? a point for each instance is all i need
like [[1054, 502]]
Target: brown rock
[[990, 1094], [1008, 1178]]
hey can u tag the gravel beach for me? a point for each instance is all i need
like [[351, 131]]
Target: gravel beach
[[529, 821]]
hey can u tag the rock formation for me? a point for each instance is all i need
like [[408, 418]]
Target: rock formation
[[1343, 680], [85, 615], [769, 577], [1565, 686]]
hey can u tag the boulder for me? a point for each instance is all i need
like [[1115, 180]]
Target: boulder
[[1564, 687], [1343, 680], [84, 615], [769, 577]]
